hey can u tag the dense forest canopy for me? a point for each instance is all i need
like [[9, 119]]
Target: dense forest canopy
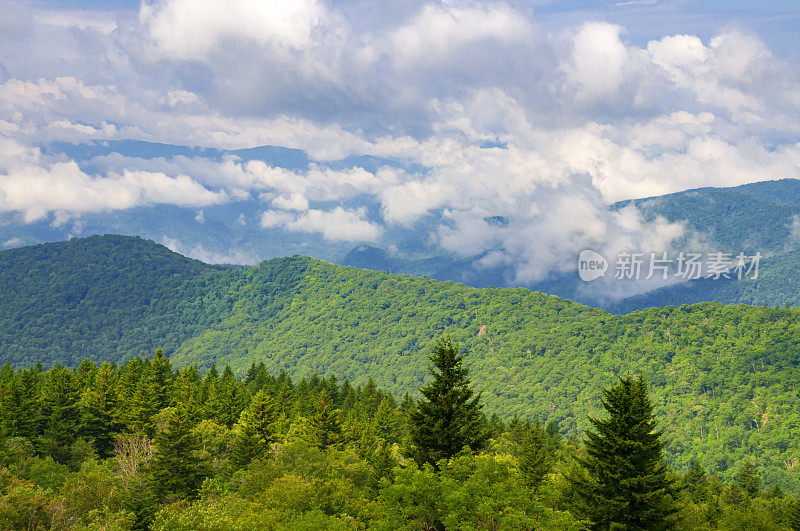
[[144, 446], [724, 378]]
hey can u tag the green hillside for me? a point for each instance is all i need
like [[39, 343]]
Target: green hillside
[[748, 218], [102, 298], [725, 378]]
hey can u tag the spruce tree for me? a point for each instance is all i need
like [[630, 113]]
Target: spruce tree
[[255, 430], [59, 413], [99, 412], [448, 417], [794, 515], [748, 480], [159, 380], [176, 470], [324, 428], [21, 405], [383, 463], [697, 482], [534, 456], [628, 485]]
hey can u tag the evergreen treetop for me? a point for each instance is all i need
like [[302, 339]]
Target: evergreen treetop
[[449, 417]]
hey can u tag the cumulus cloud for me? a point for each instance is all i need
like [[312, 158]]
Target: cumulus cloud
[[293, 201], [199, 252], [184, 30], [599, 60]]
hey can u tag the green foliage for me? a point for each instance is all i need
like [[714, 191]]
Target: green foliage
[[448, 418], [102, 297], [175, 471], [356, 479], [748, 480], [255, 430], [535, 456], [723, 378], [323, 429], [628, 486]]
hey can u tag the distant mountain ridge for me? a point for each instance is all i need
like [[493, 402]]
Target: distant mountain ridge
[[758, 217]]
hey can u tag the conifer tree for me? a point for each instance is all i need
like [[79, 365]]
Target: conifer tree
[[188, 392], [534, 456], [628, 485], [383, 463], [748, 480], [226, 400], [449, 415], [159, 380], [21, 405], [59, 415], [324, 428], [255, 430], [794, 515], [99, 410], [141, 408], [176, 470], [697, 482]]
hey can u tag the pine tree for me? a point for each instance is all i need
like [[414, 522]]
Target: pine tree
[[749, 480], [383, 463], [628, 485], [324, 428], [59, 413], [99, 410], [534, 456], [188, 392], [255, 430], [159, 380], [385, 420], [696, 481], [226, 400], [449, 416], [176, 470], [21, 405], [141, 408]]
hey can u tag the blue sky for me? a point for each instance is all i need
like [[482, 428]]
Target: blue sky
[[580, 104]]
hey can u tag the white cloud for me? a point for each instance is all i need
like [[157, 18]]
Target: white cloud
[[794, 228], [271, 219], [36, 188], [439, 30], [293, 201], [187, 30], [338, 224], [598, 60], [199, 252], [13, 242]]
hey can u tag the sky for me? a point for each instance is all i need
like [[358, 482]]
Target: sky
[[541, 112]]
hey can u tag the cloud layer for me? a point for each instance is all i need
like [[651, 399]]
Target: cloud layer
[[472, 110]]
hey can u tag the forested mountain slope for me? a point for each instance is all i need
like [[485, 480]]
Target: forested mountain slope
[[102, 297], [725, 378]]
